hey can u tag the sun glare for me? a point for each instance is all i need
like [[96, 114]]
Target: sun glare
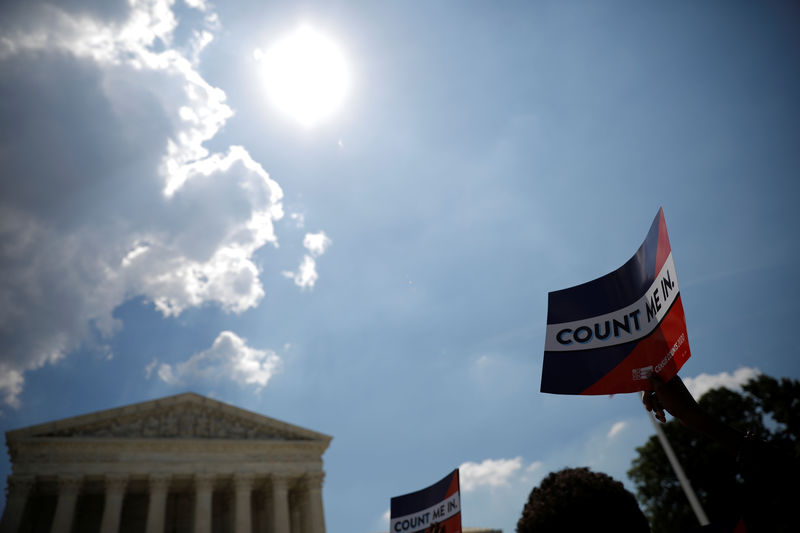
[[305, 75]]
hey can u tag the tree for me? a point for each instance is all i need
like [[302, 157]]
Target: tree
[[766, 408]]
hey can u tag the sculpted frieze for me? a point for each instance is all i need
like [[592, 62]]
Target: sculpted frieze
[[188, 421]]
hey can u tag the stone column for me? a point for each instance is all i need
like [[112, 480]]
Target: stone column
[[243, 484], [156, 506], [18, 490], [204, 489], [280, 503], [314, 511], [112, 507], [68, 488]]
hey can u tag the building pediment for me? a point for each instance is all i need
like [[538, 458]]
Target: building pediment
[[185, 416], [186, 461]]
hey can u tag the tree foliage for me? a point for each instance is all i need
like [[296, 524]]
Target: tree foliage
[[767, 408]]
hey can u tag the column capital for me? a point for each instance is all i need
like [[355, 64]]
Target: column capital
[[70, 483], [21, 485], [116, 482], [280, 479], [204, 481], [243, 480], [314, 480], [159, 481]]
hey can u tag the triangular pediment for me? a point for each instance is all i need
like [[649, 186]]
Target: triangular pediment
[[185, 416]]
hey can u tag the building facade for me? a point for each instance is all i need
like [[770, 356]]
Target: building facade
[[182, 464]]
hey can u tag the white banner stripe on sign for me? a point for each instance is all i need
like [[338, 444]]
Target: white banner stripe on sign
[[421, 520], [623, 325]]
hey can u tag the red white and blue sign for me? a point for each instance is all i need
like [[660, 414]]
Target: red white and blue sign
[[608, 335], [435, 509]]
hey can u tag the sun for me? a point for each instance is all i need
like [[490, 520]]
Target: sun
[[305, 75]]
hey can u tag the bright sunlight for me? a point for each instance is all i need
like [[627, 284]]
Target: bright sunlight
[[306, 75]]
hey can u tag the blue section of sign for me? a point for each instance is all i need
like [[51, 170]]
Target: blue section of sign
[[574, 372], [422, 499], [610, 292]]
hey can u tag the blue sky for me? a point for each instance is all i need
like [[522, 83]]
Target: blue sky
[[156, 211]]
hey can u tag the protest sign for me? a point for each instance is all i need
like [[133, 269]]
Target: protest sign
[[608, 335], [436, 509]]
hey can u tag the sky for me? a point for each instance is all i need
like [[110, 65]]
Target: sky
[[381, 274]]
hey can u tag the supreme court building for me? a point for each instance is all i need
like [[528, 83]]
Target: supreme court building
[[184, 463]]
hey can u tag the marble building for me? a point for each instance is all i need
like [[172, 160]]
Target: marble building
[[184, 463]]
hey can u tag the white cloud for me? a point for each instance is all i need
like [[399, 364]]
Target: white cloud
[[306, 275], [316, 243], [616, 428], [228, 358], [148, 370], [117, 117], [489, 473], [704, 382], [11, 382], [386, 517], [531, 472], [166, 374], [533, 467]]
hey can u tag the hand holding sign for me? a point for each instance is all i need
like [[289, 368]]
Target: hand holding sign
[[675, 398], [672, 396], [609, 335]]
